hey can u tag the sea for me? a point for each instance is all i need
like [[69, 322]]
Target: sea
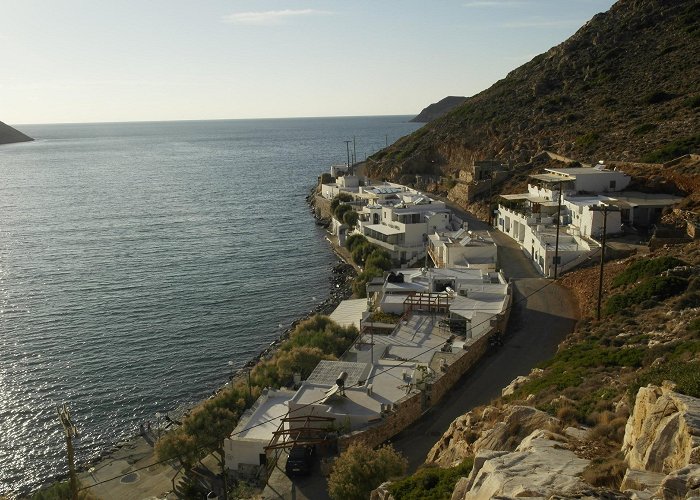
[[142, 263]]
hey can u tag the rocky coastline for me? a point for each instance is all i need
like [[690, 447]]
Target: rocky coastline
[[134, 448]]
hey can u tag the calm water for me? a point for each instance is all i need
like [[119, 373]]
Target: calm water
[[138, 259]]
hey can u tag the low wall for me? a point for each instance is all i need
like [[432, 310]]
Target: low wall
[[454, 372], [407, 411]]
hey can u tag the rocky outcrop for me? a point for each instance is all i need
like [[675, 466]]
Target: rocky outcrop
[[495, 429], [539, 467], [663, 432], [662, 445], [9, 135]]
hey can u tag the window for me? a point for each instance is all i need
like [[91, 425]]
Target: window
[[613, 184]]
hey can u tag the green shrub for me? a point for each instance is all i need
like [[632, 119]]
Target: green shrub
[[587, 140], [61, 491], [355, 240], [645, 268], [360, 469], [341, 210], [338, 199], [430, 483], [350, 218], [643, 129], [656, 288], [380, 259], [673, 150], [686, 376]]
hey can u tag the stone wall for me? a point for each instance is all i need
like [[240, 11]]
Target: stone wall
[[447, 380], [406, 411]]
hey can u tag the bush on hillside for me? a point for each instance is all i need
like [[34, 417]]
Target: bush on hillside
[[360, 469], [359, 285], [431, 483], [673, 150], [654, 289], [645, 268]]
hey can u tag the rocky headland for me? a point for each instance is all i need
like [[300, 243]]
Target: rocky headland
[[9, 135]]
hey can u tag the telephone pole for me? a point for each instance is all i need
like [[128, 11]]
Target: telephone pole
[[605, 209], [347, 146], [71, 432]]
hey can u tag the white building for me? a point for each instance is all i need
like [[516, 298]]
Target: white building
[[463, 248], [470, 297], [530, 218], [402, 221], [245, 449]]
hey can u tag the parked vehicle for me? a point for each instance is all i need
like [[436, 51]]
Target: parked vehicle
[[299, 461]]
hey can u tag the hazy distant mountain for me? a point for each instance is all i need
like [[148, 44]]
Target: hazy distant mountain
[[624, 87], [9, 135], [437, 109]]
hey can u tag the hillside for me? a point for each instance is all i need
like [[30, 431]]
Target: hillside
[[624, 87], [9, 135], [438, 109]]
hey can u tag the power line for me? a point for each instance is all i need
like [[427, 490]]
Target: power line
[[272, 419]]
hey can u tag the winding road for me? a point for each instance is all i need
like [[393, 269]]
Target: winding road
[[543, 314]]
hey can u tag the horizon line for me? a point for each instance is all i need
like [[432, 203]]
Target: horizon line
[[205, 120]]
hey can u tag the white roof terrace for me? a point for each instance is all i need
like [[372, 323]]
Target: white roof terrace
[[264, 417]]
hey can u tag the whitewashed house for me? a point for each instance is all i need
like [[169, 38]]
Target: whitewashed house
[[463, 248], [402, 222]]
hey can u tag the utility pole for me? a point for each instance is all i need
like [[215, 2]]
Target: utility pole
[[71, 432], [354, 150], [556, 244], [347, 146], [605, 209]]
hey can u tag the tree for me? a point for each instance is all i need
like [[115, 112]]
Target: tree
[[360, 469], [350, 218], [338, 199], [354, 240], [326, 178], [380, 259], [178, 445], [341, 210], [361, 252]]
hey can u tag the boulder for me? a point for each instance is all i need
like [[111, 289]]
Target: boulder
[[682, 483], [539, 467], [493, 428], [663, 432]]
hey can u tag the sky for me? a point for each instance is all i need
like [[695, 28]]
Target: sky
[[79, 61]]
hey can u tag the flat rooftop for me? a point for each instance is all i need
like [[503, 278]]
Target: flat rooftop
[[350, 312], [416, 339], [390, 382], [635, 199], [265, 416]]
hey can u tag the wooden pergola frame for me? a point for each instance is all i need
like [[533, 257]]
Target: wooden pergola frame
[[300, 435]]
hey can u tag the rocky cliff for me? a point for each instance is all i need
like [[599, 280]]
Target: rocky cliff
[[9, 135], [438, 109], [623, 87]]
